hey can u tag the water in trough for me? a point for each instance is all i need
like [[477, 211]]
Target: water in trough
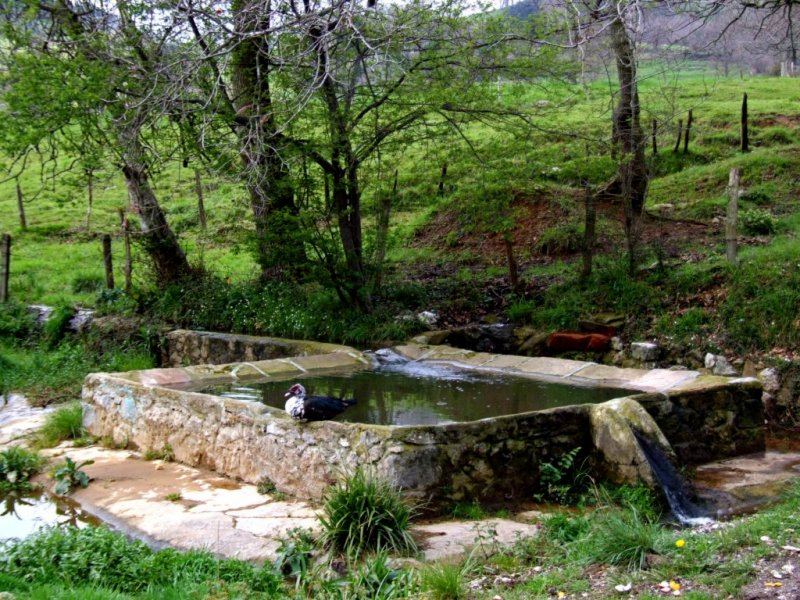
[[408, 393]]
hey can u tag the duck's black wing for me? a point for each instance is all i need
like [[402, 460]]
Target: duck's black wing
[[322, 408]]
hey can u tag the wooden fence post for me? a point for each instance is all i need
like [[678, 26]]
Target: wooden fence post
[[689, 120], [680, 135], [745, 132], [5, 266], [107, 261], [732, 216], [23, 223], [655, 142], [127, 269], [89, 197], [201, 207]]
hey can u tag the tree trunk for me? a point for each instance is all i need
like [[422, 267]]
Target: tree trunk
[[278, 247], [158, 239], [107, 262], [5, 266], [680, 135], [590, 222], [23, 222], [628, 134], [89, 197], [629, 137], [382, 231]]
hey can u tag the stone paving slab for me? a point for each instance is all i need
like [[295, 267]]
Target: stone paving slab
[[552, 367], [664, 379], [505, 361], [451, 539], [227, 517], [601, 373]]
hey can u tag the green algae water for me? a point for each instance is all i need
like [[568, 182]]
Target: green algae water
[[417, 394]]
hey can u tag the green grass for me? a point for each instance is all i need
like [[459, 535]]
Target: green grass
[[48, 376]]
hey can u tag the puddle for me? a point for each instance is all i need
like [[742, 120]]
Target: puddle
[[24, 514]]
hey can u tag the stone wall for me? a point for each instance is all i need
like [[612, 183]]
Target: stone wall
[[710, 419], [186, 347]]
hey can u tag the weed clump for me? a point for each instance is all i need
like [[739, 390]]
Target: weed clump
[[365, 513]]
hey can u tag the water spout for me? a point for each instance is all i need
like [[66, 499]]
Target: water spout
[[677, 491]]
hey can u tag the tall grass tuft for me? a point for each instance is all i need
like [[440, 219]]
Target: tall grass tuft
[[364, 513], [444, 582], [65, 423], [624, 538]]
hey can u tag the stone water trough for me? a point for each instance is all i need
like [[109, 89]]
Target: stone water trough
[[695, 418]]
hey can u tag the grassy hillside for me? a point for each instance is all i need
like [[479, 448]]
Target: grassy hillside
[[513, 180]]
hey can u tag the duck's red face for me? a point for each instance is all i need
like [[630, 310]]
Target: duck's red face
[[295, 390]]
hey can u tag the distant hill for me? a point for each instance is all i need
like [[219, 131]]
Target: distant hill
[[521, 10]]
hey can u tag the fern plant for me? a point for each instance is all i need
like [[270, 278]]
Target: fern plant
[[563, 481]]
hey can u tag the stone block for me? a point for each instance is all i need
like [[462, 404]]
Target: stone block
[[645, 351]]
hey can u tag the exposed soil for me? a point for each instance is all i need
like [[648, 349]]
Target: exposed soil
[[534, 216]]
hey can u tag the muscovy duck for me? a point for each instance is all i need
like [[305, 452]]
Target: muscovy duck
[[313, 408]]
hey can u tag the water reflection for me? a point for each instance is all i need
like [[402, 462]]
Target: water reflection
[[415, 394], [24, 513]]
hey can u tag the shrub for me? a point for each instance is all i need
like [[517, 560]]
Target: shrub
[[17, 466], [564, 481], [376, 580], [68, 476], [756, 221], [364, 513], [65, 423]]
